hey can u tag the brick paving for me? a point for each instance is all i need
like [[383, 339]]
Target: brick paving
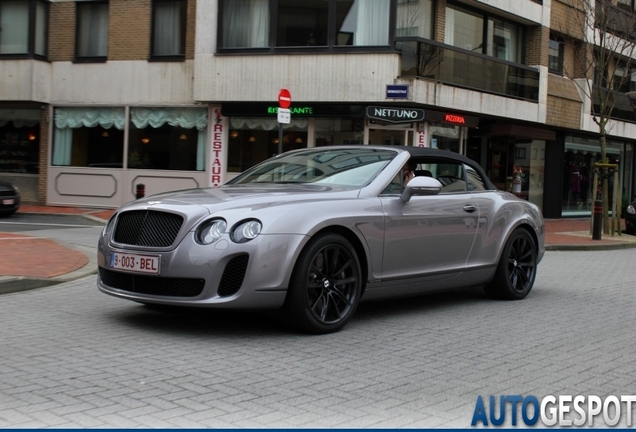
[[73, 357]]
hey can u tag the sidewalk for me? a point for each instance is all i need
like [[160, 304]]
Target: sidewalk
[[28, 262]]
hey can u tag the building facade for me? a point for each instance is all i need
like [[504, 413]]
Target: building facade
[[98, 97]]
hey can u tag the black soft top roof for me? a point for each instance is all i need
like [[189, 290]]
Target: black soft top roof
[[427, 152]]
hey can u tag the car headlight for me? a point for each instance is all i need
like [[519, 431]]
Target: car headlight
[[630, 209], [245, 231], [210, 231], [17, 190]]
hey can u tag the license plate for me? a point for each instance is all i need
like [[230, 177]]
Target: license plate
[[9, 201], [135, 263]]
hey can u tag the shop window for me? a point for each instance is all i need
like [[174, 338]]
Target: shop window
[[168, 29], [91, 31], [19, 140], [255, 139], [23, 28], [415, 18], [555, 57], [167, 138], [88, 137], [303, 24], [336, 131], [578, 166]]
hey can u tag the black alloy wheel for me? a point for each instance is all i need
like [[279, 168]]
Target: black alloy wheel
[[517, 268], [326, 285]]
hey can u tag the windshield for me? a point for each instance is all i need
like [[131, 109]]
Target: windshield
[[345, 167]]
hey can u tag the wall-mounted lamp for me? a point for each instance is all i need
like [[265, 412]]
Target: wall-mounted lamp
[[105, 134], [275, 140], [233, 134], [145, 140], [252, 139], [299, 140], [31, 136], [183, 137]]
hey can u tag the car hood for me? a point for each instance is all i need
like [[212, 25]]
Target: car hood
[[250, 196], [6, 186]]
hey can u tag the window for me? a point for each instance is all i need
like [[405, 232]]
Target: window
[[23, 28], [626, 4], [504, 40], [158, 138], [168, 28], [20, 140], [88, 137], [303, 23], [167, 138], [624, 77], [501, 39], [555, 57], [92, 31], [254, 139], [415, 18]]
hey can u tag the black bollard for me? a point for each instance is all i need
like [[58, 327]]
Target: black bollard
[[598, 219], [140, 191]]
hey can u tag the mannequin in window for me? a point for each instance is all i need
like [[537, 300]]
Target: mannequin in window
[[575, 180]]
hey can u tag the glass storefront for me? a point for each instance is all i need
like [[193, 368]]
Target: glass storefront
[[19, 140], [577, 195], [254, 139], [158, 138]]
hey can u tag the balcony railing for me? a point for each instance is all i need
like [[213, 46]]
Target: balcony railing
[[432, 60], [623, 109]]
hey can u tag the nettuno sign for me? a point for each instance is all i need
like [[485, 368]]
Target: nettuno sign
[[395, 115]]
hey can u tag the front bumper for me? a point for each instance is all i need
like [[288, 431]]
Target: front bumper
[[252, 275]]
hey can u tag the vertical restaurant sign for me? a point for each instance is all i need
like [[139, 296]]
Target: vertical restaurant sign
[[217, 148]]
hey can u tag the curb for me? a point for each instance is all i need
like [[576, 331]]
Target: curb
[[592, 247], [12, 284]]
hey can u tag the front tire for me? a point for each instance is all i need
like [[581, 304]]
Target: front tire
[[325, 286], [517, 268]]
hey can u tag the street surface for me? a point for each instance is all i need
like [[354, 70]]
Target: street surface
[[71, 356]]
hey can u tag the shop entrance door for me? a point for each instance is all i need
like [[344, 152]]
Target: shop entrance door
[[500, 161], [391, 136]]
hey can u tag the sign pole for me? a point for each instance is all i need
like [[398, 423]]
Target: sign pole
[[284, 101]]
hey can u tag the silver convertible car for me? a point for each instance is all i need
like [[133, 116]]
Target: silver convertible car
[[313, 232]]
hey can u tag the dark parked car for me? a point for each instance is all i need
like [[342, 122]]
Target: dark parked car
[[9, 198], [312, 232], [630, 218]]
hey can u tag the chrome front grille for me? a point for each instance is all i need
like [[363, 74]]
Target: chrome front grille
[[147, 228]]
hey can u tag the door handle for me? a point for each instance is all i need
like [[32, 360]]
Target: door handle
[[470, 208]]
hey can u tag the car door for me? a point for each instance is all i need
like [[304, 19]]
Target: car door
[[430, 235]]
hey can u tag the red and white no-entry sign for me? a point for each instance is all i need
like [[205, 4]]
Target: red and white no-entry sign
[[284, 98]]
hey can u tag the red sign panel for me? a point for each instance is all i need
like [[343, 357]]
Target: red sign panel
[[284, 98]]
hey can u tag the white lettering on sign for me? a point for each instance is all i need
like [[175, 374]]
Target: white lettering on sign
[[396, 113]]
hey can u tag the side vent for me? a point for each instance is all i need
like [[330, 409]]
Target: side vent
[[233, 276]]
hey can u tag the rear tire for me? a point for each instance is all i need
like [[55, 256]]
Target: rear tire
[[517, 268], [325, 286]]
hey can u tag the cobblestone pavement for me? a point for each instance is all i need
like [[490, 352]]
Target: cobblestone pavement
[[74, 357]]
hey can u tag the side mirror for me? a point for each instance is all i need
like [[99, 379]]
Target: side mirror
[[421, 186]]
